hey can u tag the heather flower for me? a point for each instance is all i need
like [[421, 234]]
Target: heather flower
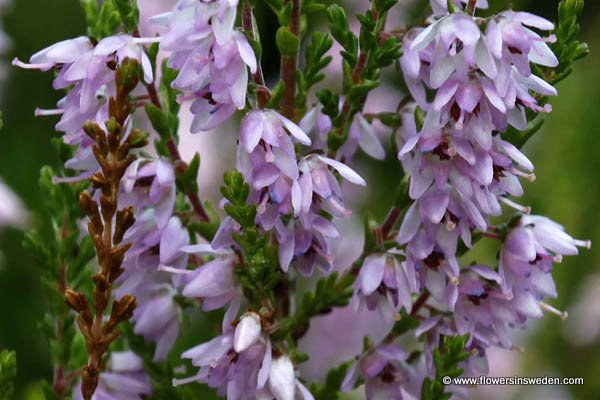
[[151, 183], [124, 379], [384, 284], [213, 282], [385, 372], [476, 76], [212, 59], [89, 72], [283, 384], [316, 189], [235, 375], [530, 250], [361, 134], [158, 316]]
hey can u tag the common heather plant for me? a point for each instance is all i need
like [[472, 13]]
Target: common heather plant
[[135, 249]]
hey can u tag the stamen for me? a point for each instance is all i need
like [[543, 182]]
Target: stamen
[[586, 244], [547, 307], [450, 225], [183, 381], [269, 157], [516, 206], [172, 270], [518, 349], [40, 112], [557, 258], [454, 280], [44, 67]]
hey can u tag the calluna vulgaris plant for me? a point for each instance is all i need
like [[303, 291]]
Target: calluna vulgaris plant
[[474, 87]]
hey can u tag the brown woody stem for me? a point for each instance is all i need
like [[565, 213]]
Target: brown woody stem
[[112, 154], [288, 66]]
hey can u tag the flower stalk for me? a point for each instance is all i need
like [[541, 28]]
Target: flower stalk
[[107, 226]]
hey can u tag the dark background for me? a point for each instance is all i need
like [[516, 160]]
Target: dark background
[[567, 189]]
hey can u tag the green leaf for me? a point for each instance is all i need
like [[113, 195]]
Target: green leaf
[[276, 95], [446, 365], [287, 42], [8, 372], [330, 389], [129, 12]]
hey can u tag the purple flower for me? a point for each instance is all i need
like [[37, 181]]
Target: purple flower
[[384, 284], [484, 79], [151, 183], [124, 379], [238, 375], [529, 251], [213, 283], [87, 71], [386, 372], [158, 316], [361, 134], [212, 59]]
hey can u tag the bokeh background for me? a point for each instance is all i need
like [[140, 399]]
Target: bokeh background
[[567, 189]]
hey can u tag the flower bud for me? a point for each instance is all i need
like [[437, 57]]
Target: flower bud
[[247, 332], [282, 379]]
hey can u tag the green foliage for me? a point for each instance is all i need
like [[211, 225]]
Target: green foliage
[[329, 390], [130, 14], [316, 61], [102, 21], [287, 42], [63, 258], [567, 47], [446, 360], [331, 291], [405, 324], [260, 272], [164, 119], [363, 58], [340, 29], [8, 372]]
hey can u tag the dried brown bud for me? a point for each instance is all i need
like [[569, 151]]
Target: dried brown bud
[[125, 219], [76, 300], [89, 381], [122, 309], [87, 204], [98, 180], [108, 205]]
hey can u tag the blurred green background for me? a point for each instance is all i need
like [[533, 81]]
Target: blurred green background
[[566, 155]]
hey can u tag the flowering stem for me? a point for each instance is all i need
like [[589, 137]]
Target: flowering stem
[[419, 303], [471, 7], [176, 158], [389, 222], [357, 76], [107, 226], [262, 92], [192, 197], [288, 66]]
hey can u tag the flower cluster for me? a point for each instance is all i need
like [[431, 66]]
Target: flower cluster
[[284, 185], [157, 239], [462, 170], [211, 56], [88, 72]]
